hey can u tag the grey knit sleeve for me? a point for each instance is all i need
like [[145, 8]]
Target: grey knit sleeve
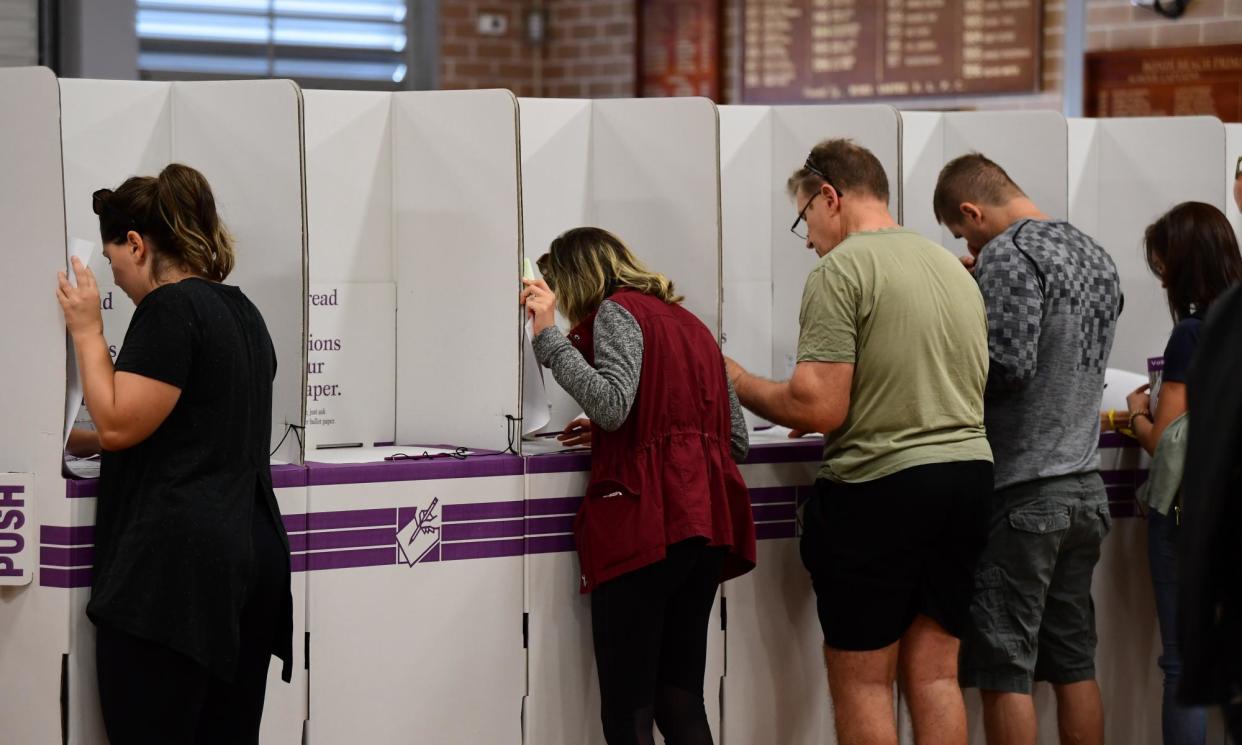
[[739, 436], [607, 391]]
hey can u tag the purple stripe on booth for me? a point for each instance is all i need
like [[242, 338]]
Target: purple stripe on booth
[[298, 541], [65, 578], [297, 562], [795, 451], [1120, 491], [549, 544], [81, 488], [555, 506], [285, 477], [484, 511], [475, 466], [1116, 440], [295, 523], [1130, 476], [571, 462], [546, 525], [770, 494], [79, 535], [364, 538], [493, 529], [482, 549], [367, 557], [385, 516], [770, 512], [766, 531], [81, 556]]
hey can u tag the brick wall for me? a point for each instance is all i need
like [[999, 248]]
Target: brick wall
[[591, 46], [589, 50]]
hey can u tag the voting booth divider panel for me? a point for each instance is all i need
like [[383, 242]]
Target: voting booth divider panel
[[33, 616], [245, 137]]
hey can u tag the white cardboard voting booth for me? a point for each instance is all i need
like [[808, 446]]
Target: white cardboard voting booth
[[246, 139], [34, 615], [415, 253], [1124, 174], [765, 266], [415, 566], [645, 170]]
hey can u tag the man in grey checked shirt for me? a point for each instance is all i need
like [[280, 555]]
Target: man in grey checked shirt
[[1052, 297]]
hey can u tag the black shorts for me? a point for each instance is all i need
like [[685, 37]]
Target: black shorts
[[881, 552]]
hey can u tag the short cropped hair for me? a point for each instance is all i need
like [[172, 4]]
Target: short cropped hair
[[971, 178], [846, 165]]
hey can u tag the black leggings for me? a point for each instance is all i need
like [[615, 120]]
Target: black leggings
[[650, 630], [152, 695]]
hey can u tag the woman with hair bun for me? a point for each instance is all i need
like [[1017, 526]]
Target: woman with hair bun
[[190, 592]]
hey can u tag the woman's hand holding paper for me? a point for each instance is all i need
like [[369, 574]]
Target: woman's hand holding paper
[[81, 303], [540, 304]]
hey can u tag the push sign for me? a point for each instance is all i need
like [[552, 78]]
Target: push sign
[[17, 551]]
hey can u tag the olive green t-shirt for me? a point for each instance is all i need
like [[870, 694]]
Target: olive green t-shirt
[[910, 318]]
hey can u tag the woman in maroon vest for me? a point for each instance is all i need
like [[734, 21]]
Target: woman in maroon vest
[[666, 516]]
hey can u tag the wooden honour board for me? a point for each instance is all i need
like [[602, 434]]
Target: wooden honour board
[[847, 50], [679, 43], [1166, 82]]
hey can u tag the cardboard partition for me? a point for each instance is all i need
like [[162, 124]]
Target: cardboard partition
[[245, 137], [352, 343], [644, 169], [556, 196], [458, 237], [1233, 151], [1125, 174], [33, 616], [415, 603], [746, 184], [1030, 145], [775, 687], [795, 130]]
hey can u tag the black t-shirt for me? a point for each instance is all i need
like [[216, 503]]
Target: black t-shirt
[[1180, 350], [173, 552]]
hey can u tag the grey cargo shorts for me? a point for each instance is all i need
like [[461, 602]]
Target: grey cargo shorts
[[1032, 617]]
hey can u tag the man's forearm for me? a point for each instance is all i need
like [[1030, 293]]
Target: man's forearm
[[775, 402]]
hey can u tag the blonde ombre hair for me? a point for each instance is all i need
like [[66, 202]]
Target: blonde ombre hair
[[585, 265]]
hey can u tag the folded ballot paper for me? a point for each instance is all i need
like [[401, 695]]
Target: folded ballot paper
[[536, 409]]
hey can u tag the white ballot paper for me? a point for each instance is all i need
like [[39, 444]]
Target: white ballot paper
[[536, 409], [82, 250]]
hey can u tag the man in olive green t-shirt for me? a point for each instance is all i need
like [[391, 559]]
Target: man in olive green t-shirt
[[892, 362]]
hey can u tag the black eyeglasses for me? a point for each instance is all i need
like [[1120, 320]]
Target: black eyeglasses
[[1237, 169], [809, 166], [802, 216]]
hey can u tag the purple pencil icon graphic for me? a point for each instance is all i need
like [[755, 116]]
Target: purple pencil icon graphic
[[423, 523]]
